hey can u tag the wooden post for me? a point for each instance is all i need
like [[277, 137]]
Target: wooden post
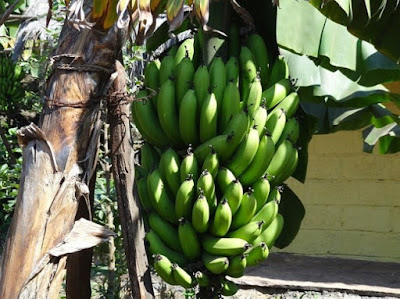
[[122, 155]]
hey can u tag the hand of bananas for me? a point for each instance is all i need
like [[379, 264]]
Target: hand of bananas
[[219, 141], [10, 82]]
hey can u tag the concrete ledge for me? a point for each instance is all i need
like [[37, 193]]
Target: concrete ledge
[[298, 272]]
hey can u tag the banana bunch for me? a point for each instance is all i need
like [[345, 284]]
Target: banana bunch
[[10, 82], [219, 141], [201, 221]]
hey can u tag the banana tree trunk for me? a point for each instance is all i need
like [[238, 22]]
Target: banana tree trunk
[[59, 160]]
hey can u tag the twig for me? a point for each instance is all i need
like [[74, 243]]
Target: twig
[[8, 12], [22, 18]]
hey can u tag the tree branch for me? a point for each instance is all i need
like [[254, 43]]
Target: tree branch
[[8, 12]]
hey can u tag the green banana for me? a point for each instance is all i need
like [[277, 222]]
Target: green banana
[[266, 214], [188, 238], [156, 246], [200, 214], [224, 178], [163, 267], [224, 246], [271, 233], [275, 195], [257, 46], [261, 189], [281, 157], [167, 112], [222, 145], [185, 198], [222, 219], [144, 198], [233, 194], [181, 277], [248, 70], [260, 162], [205, 183], [229, 288], [159, 197], [169, 169], [202, 279], [276, 93], [201, 82], [257, 254], [226, 144], [188, 119], [253, 99], [232, 71], [230, 105], [259, 119], [215, 264], [248, 232], [289, 104], [237, 264], [147, 122], [288, 169], [184, 78], [245, 152], [165, 231], [189, 165], [279, 71], [246, 210], [290, 132], [140, 172], [152, 78], [186, 49], [238, 125], [217, 79], [208, 118], [275, 124], [172, 51], [211, 162], [167, 69], [149, 157]]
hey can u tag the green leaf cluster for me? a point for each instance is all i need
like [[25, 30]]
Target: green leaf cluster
[[339, 76]]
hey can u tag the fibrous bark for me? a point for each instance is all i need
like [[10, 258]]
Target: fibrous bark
[[59, 160], [122, 155]]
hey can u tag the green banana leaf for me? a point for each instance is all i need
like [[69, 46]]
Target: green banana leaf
[[350, 107], [304, 30], [293, 213], [377, 22], [317, 81]]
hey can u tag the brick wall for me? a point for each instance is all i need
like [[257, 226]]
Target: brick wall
[[352, 201]]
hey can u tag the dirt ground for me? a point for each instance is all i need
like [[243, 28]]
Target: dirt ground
[[164, 291]]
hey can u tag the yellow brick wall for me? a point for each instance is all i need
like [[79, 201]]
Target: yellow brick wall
[[352, 201]]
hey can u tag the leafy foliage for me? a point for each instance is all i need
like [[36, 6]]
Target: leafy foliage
[[350, 107], [9, 181], [375, 21], [332, 57], [331, 46]]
